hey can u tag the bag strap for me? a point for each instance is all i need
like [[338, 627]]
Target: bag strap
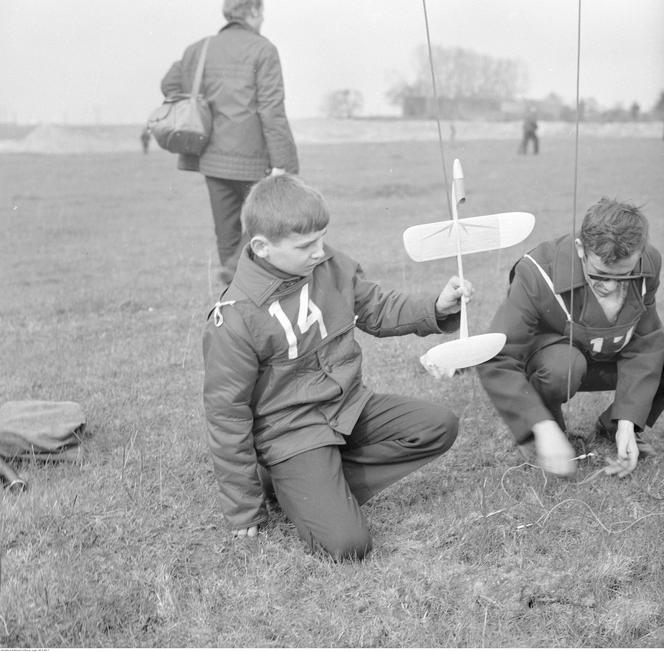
[[549, 282], [199, 68]]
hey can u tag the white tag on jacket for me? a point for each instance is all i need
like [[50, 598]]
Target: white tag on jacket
[[218, 317]]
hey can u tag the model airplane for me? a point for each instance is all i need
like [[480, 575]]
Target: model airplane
[[456, 237]]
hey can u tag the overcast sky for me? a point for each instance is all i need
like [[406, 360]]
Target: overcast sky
[[81, 61]]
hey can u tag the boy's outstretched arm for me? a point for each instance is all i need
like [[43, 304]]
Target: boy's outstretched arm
[[231, 371], [386, 313]]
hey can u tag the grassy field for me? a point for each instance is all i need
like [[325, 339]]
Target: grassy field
[[107, 268]]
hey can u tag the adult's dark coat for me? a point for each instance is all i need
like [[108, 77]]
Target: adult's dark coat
[[243, 82]]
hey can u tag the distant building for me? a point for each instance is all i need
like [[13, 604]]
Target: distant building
[[552, 108], [460, 108]]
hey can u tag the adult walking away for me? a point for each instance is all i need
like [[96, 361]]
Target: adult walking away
[[251, 137], [529, 133], [602, 285], [284, 396]]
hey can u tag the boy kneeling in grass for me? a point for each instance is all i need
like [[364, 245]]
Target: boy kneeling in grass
[[284, 398]]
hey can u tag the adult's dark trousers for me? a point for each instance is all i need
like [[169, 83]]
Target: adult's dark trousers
[[528, 137], [547, 371], [226, 199], [321, 490]]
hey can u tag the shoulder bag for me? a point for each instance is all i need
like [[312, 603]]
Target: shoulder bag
[[183, 123]]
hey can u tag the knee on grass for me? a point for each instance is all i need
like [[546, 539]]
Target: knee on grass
[[345, 546]]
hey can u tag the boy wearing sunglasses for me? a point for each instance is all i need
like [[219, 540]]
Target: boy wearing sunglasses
[[580, 315]]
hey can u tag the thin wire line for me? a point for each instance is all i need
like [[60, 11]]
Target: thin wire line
[[573, 251], [435, 99]]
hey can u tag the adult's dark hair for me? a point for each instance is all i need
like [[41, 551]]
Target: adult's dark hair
[[613, 230], [240, 9]]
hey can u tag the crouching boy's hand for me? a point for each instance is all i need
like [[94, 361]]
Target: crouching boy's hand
[[449, 300], [554, 452], [246, 532], [628, 450]]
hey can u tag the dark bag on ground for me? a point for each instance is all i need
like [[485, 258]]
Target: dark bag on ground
[[183, 123], [48, 430]]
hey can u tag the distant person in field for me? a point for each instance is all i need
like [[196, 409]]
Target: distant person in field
[[529, 133], [145, 139], [251, 136], [601, 284], [287, 411]]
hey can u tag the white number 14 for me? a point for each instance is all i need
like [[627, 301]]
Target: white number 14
[[308, 315]]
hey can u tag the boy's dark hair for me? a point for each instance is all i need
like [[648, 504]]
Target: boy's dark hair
[[613, 230], [278, 206]]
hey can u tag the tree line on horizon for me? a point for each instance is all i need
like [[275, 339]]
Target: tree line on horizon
[[471, 85]]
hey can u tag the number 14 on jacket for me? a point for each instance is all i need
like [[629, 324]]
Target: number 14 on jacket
[[308, 315]]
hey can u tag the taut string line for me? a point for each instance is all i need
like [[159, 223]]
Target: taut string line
[[435, 99], [574, 208]]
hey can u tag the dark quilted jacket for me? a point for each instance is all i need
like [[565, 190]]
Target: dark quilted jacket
[[269, 396], [243, 82]]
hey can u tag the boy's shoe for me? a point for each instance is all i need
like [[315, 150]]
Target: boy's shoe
[[528, 451], [646, 449], [583, 442], [608, 433]]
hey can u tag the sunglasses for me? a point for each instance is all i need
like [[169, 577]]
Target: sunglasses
[[611, 277]]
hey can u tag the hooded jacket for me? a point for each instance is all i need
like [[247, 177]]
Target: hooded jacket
[[531, 317], [242, 80], [283, 371]]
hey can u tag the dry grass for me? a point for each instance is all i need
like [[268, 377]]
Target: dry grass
[[105, 279]]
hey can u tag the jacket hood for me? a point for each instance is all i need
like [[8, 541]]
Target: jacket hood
[[259, 283], [567, 270]]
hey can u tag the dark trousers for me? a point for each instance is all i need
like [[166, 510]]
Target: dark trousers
[[226, 199], [547, 371], [321, 490], [529, 136]]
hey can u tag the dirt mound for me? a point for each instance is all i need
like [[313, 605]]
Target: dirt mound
[[63, 139]]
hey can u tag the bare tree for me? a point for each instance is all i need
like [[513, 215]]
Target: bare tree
[[343, 103], [658, 109], [461, 73]]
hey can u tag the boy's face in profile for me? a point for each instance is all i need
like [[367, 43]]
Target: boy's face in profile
[[296, 254]]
